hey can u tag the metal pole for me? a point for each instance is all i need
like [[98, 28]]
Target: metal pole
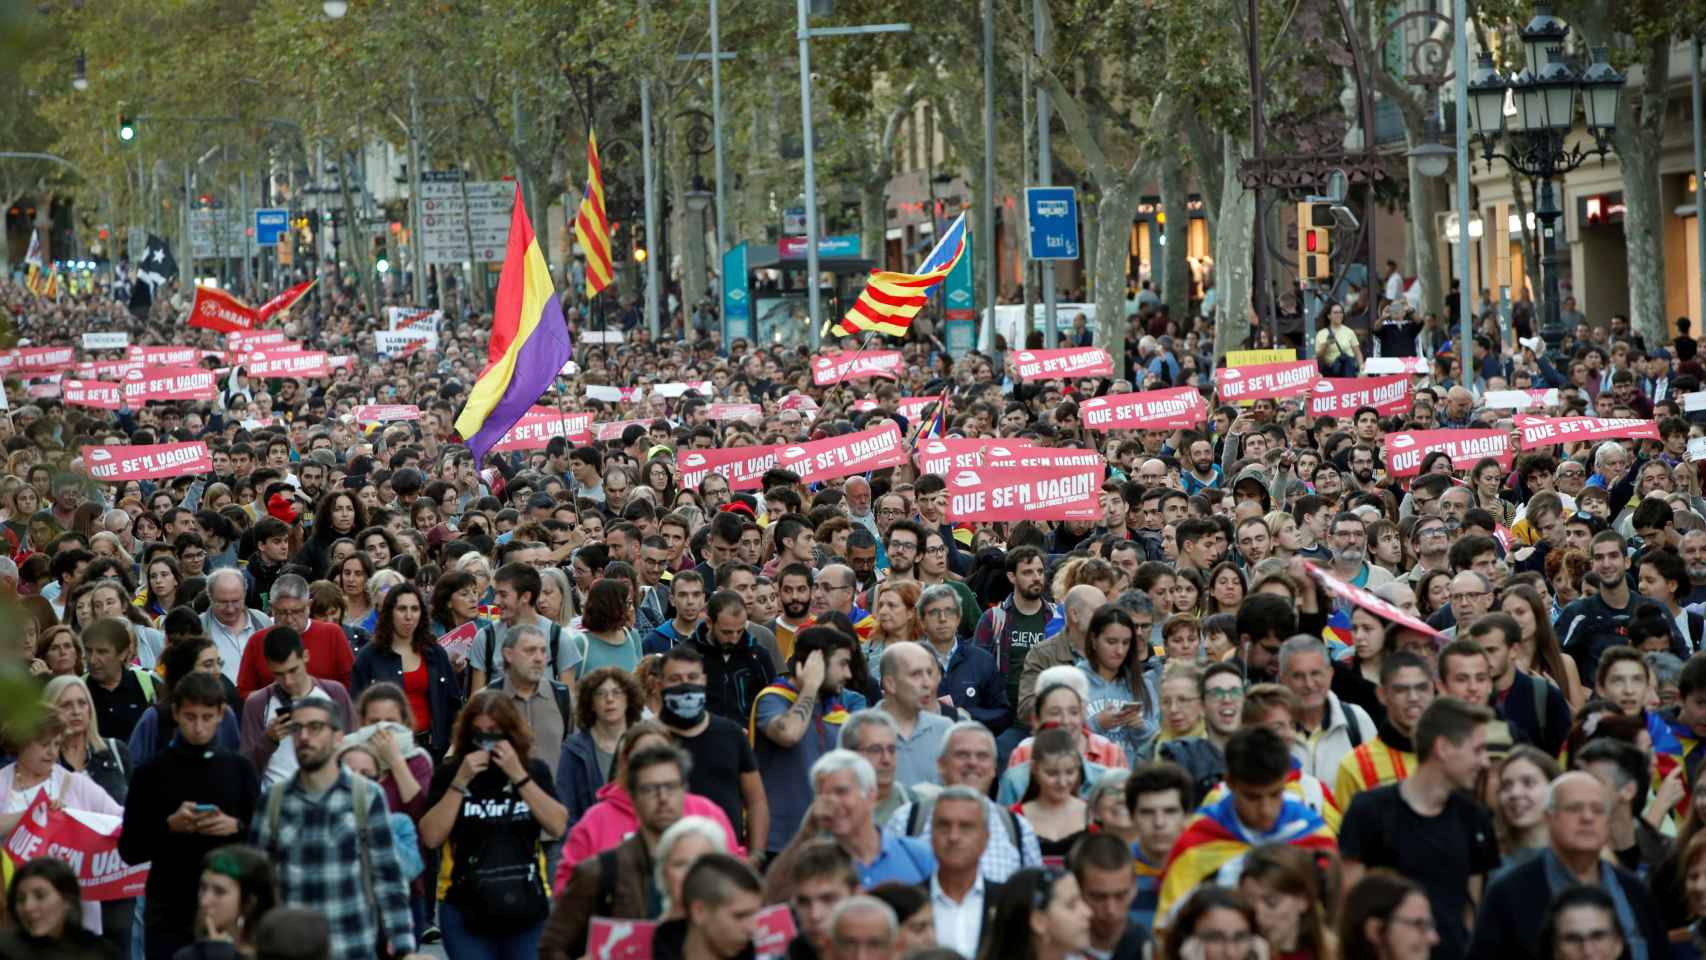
[[717, 142], [1045, 174], [417, 239], [814, 307], [1699, 174], [188, 273], [243, 214], [1465, 213], [992, 263], [652, 237], [1546, 211]]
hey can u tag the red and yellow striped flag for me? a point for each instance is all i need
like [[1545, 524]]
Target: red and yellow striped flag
[[891, 300], [592, 229]]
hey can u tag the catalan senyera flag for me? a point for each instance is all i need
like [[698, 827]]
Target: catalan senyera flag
[[891, 300], [1214, 840], [592, 230], [283, 301], [529, 344], [32, 260]]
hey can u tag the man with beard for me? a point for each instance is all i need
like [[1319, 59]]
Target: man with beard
[[794, 592], [1350, 554], [861, 558], [1009, 631], [1204, 473], [724, 769], [1694, 555], [355, 881], [797, 719], [857, 491], [1362, 459]]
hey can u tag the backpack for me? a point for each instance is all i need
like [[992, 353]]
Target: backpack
[[489, 634], [920, 815], [359, 801], [558, 691]]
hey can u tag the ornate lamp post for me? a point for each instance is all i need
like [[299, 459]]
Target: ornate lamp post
[[1536, 143]]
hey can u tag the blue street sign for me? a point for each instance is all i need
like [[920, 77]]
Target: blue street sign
[[271, 224], [960, 308], [1051, 223]]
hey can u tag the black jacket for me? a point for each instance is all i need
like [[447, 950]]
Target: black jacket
[[177, 774], [1507, 925], [733, 675]]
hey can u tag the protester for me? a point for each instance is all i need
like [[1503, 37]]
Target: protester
[[43, 901]]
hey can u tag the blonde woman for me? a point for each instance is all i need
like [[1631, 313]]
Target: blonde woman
[[556, 600], [82, 749]]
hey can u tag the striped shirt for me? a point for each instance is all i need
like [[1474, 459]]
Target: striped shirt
[[1374, 764]]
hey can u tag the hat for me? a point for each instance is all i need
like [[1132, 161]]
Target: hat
[[323, 457], [1659, 353], [437, 536], [278, 505], [737, 506], [662, 448]]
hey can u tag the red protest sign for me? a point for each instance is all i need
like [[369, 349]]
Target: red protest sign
[[149, 462], [274, 365], [798, 401], [733, 411], [940, 455], [820, 460], [776, 930], [459, 642], [116, 369], [92, 393], [1405, 451], [1042, 457], [1356, 596], [242, 341], [386, 412], [613, 431], [169, 383], [1342, 396], [164, 356], [1060, 364], [982, 494], [1173, 409], [42, 360], [856, 365], [539, 425], [1260, 381], [218, 310], [87, 841], [1546, 431], [609, 394], [742, 467], [609, 939]]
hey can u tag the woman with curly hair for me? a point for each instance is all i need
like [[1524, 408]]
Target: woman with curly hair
[[339, 514], [607, 703], [897, 622]]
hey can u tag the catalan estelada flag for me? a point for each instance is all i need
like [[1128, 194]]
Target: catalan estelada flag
[[592, 230], [1214, 840], [529, 345], [891, 300]]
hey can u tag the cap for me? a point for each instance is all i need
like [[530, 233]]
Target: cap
[[437, 536], [1659, 353], [661, 449], [278, 505]]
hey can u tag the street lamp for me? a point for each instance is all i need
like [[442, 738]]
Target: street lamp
[[1544, 94]]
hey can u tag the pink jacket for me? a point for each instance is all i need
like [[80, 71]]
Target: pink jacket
[[611, 820]]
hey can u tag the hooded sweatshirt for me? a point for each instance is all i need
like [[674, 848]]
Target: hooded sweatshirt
[[609, 821]]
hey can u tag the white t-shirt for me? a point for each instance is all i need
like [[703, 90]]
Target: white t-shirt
[[282, 765]]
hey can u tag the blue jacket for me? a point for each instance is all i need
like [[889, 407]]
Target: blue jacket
[[578, 774], [444, 693], [971, 680]]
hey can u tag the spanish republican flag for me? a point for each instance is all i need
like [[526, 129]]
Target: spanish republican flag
[[529, 344], [1214, 841]]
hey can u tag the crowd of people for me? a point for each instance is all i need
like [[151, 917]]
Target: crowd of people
[[353, 694]]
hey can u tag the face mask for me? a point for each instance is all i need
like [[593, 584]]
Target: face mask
[[683, 705], [486, 741]]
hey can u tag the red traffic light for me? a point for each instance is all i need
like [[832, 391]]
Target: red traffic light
[[1311, 241]]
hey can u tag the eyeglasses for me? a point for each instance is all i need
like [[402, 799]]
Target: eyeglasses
[[311, 727], [657, 790], [942, 613], [903, 546], [1468, 597], [1228, 694], [1418, 924], [609, 693]]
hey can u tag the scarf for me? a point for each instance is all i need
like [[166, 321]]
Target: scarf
[[1559, 879]]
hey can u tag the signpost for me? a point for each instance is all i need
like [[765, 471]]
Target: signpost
[[447, 221], [1051, 222], [959, 313], [737, 300], [216, 233], [271, 224]]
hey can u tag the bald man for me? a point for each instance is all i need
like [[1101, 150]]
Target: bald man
[[909, 676], [1459, 404], [1064, 647]]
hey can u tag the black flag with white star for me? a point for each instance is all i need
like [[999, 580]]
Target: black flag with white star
[[153, 269]]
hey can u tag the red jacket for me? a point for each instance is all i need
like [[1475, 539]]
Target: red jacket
[[328, 651]]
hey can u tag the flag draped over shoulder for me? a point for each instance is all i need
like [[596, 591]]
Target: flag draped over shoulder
[[891, 300], [1214, 840], [592, 229], [529, 344]]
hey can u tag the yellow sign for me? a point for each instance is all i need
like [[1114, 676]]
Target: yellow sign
[[1244, 358]]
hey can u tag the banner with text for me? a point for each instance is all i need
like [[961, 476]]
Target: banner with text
[[1049, 458], [169, 383], [273, 365], [984, 494], [410, 318], [34, 361], [1356, 596], [401, 343], [1342, 396], [742, 467], [938, 456], [1266, 380], [539, 425], [1546, 431], [1519, 399], [1174, 409], [92, 393], [386, 412], [242, 341], [87, 841], [104, 369], [843, 456], [106, 341], [1405, 451], [164, 355], [613, 430], [218, 310], [734, 411], [856, 365], [1068, 362], [156, 461]]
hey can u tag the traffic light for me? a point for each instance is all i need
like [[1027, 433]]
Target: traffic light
[[1314, 240], [126, 127]]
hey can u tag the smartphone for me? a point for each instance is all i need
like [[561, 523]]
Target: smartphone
[[282, 711], [203, 808]]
